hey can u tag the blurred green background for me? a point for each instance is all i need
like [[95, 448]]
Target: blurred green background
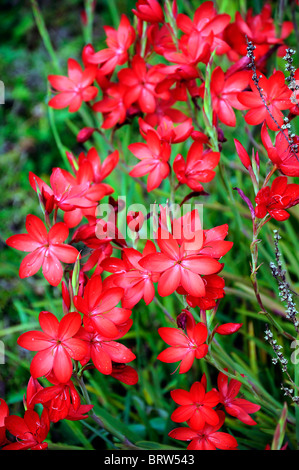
[[27, 143]]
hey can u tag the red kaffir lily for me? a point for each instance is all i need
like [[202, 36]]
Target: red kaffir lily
[[89, 171], [277, 199], [58, 399], [4, 412], [46, 249], [112, 106], [141, 85], [281, 154], [99, 308], [193, 50], [165, 108], [161, 39], [276, 95], [196, 406], [260, 29], [238, 407], [154, 156], [79, 414], [214, 244], [104, 351], [128, 274], [99, 232], [187, 229], [183, 77], [30, 431], [65, 191], [96, 257], [206, 23], [224, 92], [75, 88], [149, 10], [95, 193], [100, 170], [118, 42], [166, 130], [214, 290], [198, 167], [185, 347], [207, 438], [178, 267], [55, 344]]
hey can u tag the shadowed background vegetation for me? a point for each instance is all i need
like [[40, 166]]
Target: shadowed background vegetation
[[33, 138]]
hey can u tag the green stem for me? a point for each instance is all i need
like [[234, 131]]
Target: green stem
[[44, 33], [87, 29], [80, 382]]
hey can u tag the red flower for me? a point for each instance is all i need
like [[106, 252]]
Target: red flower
[[80, 413], [206, 23], [4, 412], [276, 95], [196, 406], [207, 438], [277, 199], [89, 171], [224, 92], [154, 156], [198, 167], [193, 50], [99, 308], [58, 399], [56, 345], [66, 192], [118, 42], [100, 170], [103, 351], [30, 431], [260, 29], [112, 106], [75, 88], [46, 249], [281, 154], [149, 10], [131, 276], [238, 407], [185, 347], [214, 289], [141, 85], [179, 267], [167, 132]]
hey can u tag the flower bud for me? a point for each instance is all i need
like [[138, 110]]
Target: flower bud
[[243, 155], [85, 134], [228, 328]]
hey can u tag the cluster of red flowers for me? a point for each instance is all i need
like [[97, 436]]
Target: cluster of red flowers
[[185, 258], [197, 408]]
